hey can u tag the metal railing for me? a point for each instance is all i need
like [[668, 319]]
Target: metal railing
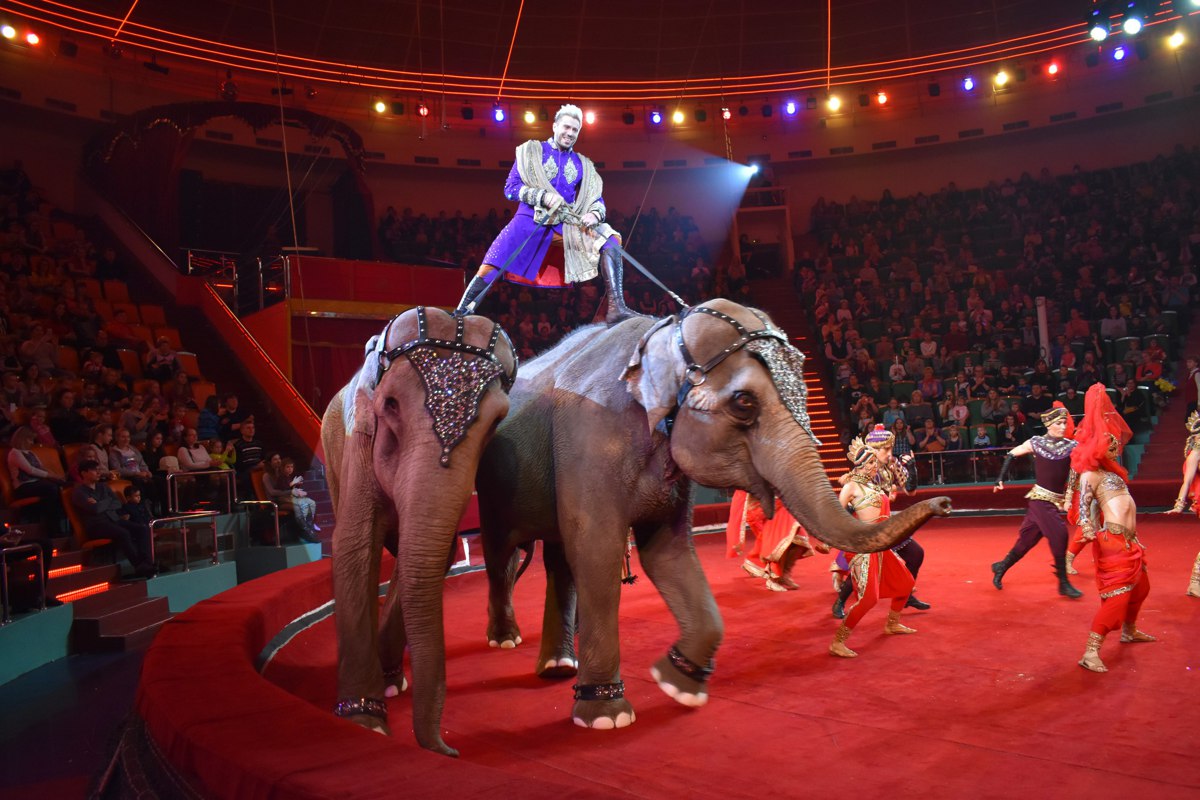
[[274, 515], [5, 552], [183, 537], [969, 465], [174, 478]]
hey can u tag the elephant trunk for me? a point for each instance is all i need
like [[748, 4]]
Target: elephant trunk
[[793, 467]]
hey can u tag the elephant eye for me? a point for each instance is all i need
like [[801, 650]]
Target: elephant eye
[[743, 406]]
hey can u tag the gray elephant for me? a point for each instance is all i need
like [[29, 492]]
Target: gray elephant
[[402, 442], [605, 433]]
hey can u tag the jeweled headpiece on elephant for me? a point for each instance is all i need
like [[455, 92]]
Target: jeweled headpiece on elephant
[[1193, 422], [785, 364], [880, 436]]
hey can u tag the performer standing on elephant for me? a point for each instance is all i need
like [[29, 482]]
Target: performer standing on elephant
[[560, 195], [1189, 490], [866, 491], [778, 543], [1051, 464], [1099, 481]]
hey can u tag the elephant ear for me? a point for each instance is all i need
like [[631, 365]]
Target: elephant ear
[[655, 372]]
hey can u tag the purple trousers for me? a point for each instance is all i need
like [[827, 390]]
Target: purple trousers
[[1042, 519]]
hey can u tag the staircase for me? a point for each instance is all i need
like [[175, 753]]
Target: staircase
[[778, 298], [1163, 456], [120, 619]]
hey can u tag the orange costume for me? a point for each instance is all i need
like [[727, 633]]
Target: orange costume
[[777, 542], [1190, 490]]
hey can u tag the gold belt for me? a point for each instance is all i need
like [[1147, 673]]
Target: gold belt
[[1041, 493]]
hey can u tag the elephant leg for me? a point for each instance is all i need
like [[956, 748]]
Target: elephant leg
[[501, 559], [358, 541], [595, 554], [392, 639], [556, 659], [669, 559]]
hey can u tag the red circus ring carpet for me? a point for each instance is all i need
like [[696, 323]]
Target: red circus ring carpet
[[985, 701]]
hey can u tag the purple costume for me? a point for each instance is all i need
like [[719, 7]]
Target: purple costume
[[522, 246], [1051, 465]]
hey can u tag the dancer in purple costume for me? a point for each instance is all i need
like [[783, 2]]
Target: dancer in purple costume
[[560, 195]]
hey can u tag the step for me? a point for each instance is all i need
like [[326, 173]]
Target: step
[[88, 576], [128, 641], [119, 595], [126, 627]]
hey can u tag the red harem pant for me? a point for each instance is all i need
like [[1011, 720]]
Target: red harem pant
[[878, 575], [1118, 567]]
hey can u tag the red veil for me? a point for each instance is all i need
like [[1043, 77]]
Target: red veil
[[1100, 422]]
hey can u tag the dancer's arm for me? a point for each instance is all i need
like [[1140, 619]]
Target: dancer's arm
[[1023, 449]]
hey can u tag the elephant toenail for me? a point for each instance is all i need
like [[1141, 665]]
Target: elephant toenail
[[507, 644], [624, 720], [604, 724]]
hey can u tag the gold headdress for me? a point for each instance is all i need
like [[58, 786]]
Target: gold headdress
[[1193, 422]]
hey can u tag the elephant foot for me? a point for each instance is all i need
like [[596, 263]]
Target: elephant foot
[[438, 746], [395, 687], [564, 667], [505, 644], [682, 680], [602, 706], [367, 712], [370, 723]]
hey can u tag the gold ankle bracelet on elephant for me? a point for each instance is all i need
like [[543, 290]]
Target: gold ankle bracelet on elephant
[[369, 706], [599, 691], [690, 668]]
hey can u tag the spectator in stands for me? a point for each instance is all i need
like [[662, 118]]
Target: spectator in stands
[[1033, 406], [162, 363], [129, 464], [929, 347], [99, 509], [959, 413], [1010, 433], [247, 453], [1063, 378], [994, 408], [136, 420], [92, 368], [68, 425], [980, 385], [1078, 328], [1119, 375], [42, 435], [851, 393], [208, 425], [122, 334], [892, 413], [231, 416], [929, 386], [33, 391], [1113, 326], [1072, 399], [114, 394], [905, 443], [30, 478], [954, 461], [917, 410], [896, 371], [1131, 403]]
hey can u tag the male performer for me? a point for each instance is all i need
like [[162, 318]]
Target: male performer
[[560, 199], [1051, 465]]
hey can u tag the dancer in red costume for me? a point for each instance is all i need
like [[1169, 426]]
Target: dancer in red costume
[[866, 492], [1097, 490], [778, 543], [1189, 490]]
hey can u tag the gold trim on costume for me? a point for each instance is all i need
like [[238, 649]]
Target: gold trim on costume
[[1115, 592], [1042, 493]]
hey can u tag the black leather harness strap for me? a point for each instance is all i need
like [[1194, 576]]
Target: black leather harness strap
[[458, 345]]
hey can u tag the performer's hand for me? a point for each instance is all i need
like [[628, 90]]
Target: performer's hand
[[589, 220], [553, 201], [998, 487]]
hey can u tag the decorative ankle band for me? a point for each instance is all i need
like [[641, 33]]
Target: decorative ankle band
[[599, 691], [370, 706], [690, 668]]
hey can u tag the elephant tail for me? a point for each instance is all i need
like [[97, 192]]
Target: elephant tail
[[528, 548]]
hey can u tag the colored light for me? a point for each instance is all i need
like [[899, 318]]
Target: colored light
[[423, 110], [752, 169], [1052, 68], [677, 117], [789, 108], [1119, 54], [968, 84], [1176, 40], [833, 103], [379, 106], [530, 117], [32, 38], [1001, 78], [1098, 32], [726, 113], [589, 117], [881, 98], [656, 117], [1132, 24], [498, 113]]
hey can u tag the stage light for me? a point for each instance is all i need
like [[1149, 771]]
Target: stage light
[[767, 110], [154, 66], [530, 117], [1119, 54], [467, 113], [656, 117], [968, 84], [310, 92], [726, 113], [881, 97], [379, 106], [677, 117], [8, 32], [1052, 68], [1185, 7], [627, 117], [833, 103], [935, 89], [1001, 78], [112, 49], [1098, 22], [1092, 59], [498, 113], [1134, 18], [422, 110], [589, 117], [543, 114], [743, 111], [228, 90], [789, 108], [32, 38], [397, 107], [751, 169], [1176, 40], [810, 102], [701, 115]]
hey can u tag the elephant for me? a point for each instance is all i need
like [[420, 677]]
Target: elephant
[[387, 463], [605, 433]]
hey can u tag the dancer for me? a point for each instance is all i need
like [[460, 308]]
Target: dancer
[[778, 544], [1189, 490], [1051, 465], [560, 196], [1098, 482], [866, 492]]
